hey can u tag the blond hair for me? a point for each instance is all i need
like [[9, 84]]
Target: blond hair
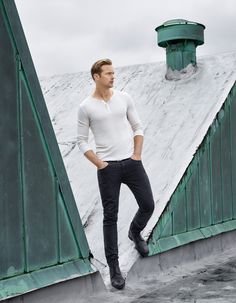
[[97, 66]]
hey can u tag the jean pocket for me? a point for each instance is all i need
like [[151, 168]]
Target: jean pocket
[[136, 160], [102, 169]]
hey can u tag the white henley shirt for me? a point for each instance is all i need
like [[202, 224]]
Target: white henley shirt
[[113, 123]]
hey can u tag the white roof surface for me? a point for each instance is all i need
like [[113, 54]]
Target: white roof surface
[[176, 115]]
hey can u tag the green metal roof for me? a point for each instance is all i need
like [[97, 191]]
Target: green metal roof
[[204, 202], [40, 227]]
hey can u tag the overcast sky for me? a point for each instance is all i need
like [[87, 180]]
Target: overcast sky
[[67, 36]]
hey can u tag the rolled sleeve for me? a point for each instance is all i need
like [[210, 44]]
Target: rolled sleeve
[[83, 130], [133, 117]]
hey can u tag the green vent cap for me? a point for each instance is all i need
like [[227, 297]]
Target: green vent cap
[[180, 38], [175, 30]]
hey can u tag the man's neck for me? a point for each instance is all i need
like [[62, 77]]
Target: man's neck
[[103, 94]]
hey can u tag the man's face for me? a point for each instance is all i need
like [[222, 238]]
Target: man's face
[[106, 78]]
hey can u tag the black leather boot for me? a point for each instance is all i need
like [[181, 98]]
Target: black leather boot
[[117, 280], [140, 243]]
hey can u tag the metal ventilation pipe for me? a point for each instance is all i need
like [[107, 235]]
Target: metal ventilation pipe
[[180, 38]]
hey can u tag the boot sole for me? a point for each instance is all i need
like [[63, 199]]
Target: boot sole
[[119, 287]]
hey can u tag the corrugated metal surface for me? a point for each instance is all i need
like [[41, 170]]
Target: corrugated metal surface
[[40, 227], [204, 202]]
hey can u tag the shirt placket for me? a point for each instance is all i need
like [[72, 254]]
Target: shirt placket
[[107, 106]]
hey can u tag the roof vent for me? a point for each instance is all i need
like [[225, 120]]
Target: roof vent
[[180, 38]]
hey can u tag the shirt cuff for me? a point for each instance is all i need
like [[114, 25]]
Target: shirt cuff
[[84, 148], [138, 132]]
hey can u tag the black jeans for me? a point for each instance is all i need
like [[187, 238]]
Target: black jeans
[[132, 173]]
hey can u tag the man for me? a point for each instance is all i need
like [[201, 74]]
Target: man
[[118, 135]]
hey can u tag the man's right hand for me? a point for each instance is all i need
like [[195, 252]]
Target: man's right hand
[[102, 165], [91, 156]]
